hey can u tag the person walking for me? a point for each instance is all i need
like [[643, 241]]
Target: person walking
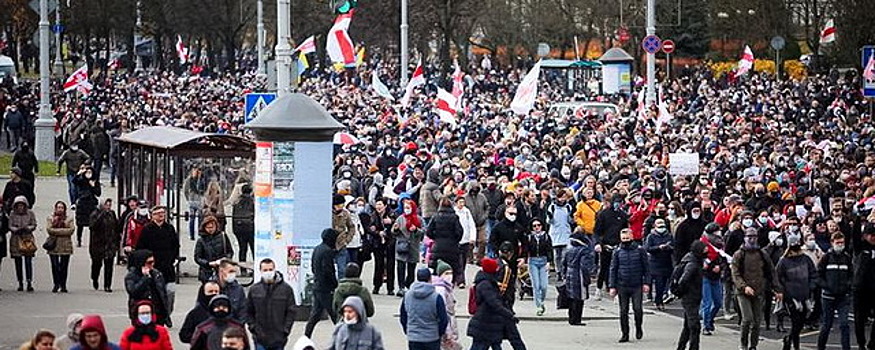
[[14, 121], [161, 239], [488, 326], [103, 244], [324, 282], [608, 225], [87, 192], [446, 231], [469, 238], [478, 204], [212, 246], [271, 308], [25, 160], [42, 340], [208, 334], [630, 278], [193, 187], [243, 222], [383, 247], [71, 338], [226, 275], [835, 276], [351, 284], [18, 186], [712, 288], [60, 229], [93, 336], [74, 158], [539, 249], [22, 245], [560, 220], [423, 313], [355, 332], [408, 232], [796, 275], [443, 286], [200, 312], [752, 273], [659, 245], [690, 283], [145, 333], [864, 286], [343, 225], [214, 203], [145, 282], [577, 267]]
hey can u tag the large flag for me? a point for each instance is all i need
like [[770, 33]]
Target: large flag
[[307, 46], [78, 81], [458, 86], [181, 50], [869, 70], [381, 89], [418, 79], [746, 62], [524, 99], [446, 106], [828, 34], [339, 44]]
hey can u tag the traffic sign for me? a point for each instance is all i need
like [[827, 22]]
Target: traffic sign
[[58, 28], [777, 43], [255, 103], [623, 34], [651, 44], [868, 84], [668, 46]]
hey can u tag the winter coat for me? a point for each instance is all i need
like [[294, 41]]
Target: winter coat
[[608, 224], [193, 188], [637, 215], [405, 238], [796, 275], [469, 227], [835, 274], [73, 159], [151, 287], [163, 241], [430, 194], [21, 226], [560, 220], [271, 312], [87, 202], [193, 318], [687, 231], [325, 277], [539, 245], [343, 224], [352, 286], [753, 268], [495, 199], [446, 231], [585, 215], [577, 267], [450, 338], [423, 313], [691, 279], [488, 325], [237, 295], [63, 236], [147, 343], [629, 267], [103, 229], [359, 336], [93, 323], [99, 142], [209, 248], [864, 267], [479, 206], [507, 231], [14, 189], [243, 211], [208, 335], [660, 259]]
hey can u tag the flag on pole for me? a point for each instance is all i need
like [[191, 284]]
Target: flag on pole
[[78, 81], [446, 106], [360, 57], [458, 86], [524, 99], [746, 62], [302, 65], [828, 34], [181, 50], [307, 46], [339, 44], [869, 71], [381, 89], [418, 79]]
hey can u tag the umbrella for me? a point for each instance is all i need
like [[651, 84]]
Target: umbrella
[[345, 138]]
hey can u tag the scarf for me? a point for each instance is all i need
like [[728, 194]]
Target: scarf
[[143, 330], [59, 220], [412, 219]]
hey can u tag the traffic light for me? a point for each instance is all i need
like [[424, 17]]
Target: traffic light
[[344, 6]]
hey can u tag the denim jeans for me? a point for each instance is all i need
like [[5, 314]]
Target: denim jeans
[[538, 273], [71, 188], [712, 300], [194, 211], [340, 260], [490, 250], [558, 257], [831, 306]]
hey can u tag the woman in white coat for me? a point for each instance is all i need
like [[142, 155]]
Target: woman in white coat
[[468, 238]]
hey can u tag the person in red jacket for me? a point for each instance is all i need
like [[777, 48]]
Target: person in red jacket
[[638, 213], [145, 333]]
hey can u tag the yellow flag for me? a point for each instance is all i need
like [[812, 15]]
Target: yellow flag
[[360, 57]]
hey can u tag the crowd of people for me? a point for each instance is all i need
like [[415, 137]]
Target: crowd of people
[[775, 225]]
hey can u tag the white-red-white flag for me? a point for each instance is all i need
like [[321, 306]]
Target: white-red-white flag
[[307, 46], [869, 70], [181, 50], [339, 44], [524, 99], [79, 81], [458, 85], [418, 79], [746, 62], [828, 34], [446, 106]]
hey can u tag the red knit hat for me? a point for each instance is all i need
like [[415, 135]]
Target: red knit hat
[[489, 265]]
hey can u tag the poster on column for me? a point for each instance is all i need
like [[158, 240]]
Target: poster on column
[[263, 188]]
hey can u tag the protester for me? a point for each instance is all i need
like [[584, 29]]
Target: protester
[[92, 335], [797, 276], [145, 282], [424, 316], [42, 340], [103, 244], [446, 231], [354, 332], [208, 334], [468, 239], [18, 186], [194, 186], [74, 158], [349, 285], [478, 204], [443, 284], [60, 231], [22, 245], [200, 312], [659, 245], [714, 264], [160, 238], [691, 282], [608, 225], [578, 266], [235, 338], [145, 333], [539, 249], [630, 278], [87, 191], [324, 281], [212, 246], [243, 222], [560, 222], [341, 222], [383, 247], [71, 338], [409, 231], [864, 286], [753, 275], [271, 304], [835, 276]]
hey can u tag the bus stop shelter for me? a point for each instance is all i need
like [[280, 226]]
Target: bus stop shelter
[[574, 75], [154, 162]]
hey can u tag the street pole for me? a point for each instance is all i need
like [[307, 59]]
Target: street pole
[[283, 49], [45, 125], [59, 64], [404, 51], [667, 67], [651, 58], [260, 29], [139, 60]]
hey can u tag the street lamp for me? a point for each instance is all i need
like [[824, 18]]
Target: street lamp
[[139, 60], [45, 125], [59, 64]]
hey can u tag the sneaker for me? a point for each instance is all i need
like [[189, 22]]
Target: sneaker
[[376, 291], [624, 339], [598, 295], [707, 332], [728, 316], [540, 311], [73, 207]]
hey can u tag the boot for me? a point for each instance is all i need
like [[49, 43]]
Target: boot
[[29, 286], [786, 343], [20, 286]]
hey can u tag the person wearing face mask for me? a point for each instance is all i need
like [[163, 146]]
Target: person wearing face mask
[[577, 267], [18, 186], [864, 286], [343, 225], [835, 277], [356, 209], [162, 240], [752, 273], [539, 249], [424, 316], [796, 274], [660, 247], [774, 250], [87, 190], [478, 204], [208, 334], [691, 283], [409, 231], [354, 332], [74, 158], [145, 334], [200, 312], [689, 230], [134, 225], [443, 285], [212, 246], [560, 220], [271, 305], [630, 278], [355, 186], [608, 224]]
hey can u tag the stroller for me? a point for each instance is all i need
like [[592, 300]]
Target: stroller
[[524, 282]]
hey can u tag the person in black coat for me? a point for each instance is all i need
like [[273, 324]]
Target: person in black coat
[[490, 323], [25, 160], [161, 238], [835, 275], [508, 230], [324, 281], [691, 283], [660, 246], [272, 308], [446, 232], [200, 312], [688, 230], [211, 248], [17, 186], [87, 190], [630, 279], [608, 224], [144, 282]]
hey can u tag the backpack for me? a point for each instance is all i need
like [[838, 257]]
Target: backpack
[[675, 286], [472, 299], [244, 211]]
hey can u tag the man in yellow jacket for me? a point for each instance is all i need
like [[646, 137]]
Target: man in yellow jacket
[[586, 211]]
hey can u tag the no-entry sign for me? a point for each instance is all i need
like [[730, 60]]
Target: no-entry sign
[[668, 46]]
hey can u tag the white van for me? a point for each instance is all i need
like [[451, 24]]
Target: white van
[[8, 76], [580, 109]]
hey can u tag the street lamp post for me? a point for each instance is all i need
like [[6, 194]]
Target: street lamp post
[[59, 64], [651, 58], [404, 50], [45, 125], [137, 36], [283, 48], [260, 28]]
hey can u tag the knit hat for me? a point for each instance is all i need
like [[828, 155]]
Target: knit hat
[[337, 199], [442, 267], [773, 186], [17, 171], [489, 265], [423, 274], [352, 270]]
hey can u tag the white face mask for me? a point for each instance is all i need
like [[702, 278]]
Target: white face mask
[[351, 321], [144, 319], [231, 277], [447, 277], [268, 276], [512, 218], [408, 211], [695, 215]]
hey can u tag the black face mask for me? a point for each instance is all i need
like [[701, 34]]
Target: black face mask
[[221, 314], [626, 244]]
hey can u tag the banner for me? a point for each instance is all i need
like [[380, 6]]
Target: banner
[[683, 163]]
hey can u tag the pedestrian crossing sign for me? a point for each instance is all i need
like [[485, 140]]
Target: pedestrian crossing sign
[[255, 103]]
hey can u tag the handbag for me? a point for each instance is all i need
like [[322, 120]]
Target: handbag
[[26, 246], [402, 246], [562, 301], [51, 243]]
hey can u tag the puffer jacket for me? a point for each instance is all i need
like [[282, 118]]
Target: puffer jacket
[[272, 311], [62, 235], [835, 274], [348, 287], [211, 247], [578, 266], [796, 275], [629, 267], [446, 231], [493, 317], [430, 193], [21, 226], [586, 213], [660, 259]]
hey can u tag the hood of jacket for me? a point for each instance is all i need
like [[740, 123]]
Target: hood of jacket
[[20, 199], [329, 237], [93, 323], [433, 176], [422, 290], [358, 305], [378, 180], [138, 258], [348, 286]]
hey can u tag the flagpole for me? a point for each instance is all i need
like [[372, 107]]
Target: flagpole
[[404, 50], [45, 125], [283, 48], [260, 28]]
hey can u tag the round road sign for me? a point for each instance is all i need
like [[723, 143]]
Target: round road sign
[[668, 46], [651, 44], [778, 43]]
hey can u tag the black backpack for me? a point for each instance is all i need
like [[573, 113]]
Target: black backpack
[[675, 286]]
